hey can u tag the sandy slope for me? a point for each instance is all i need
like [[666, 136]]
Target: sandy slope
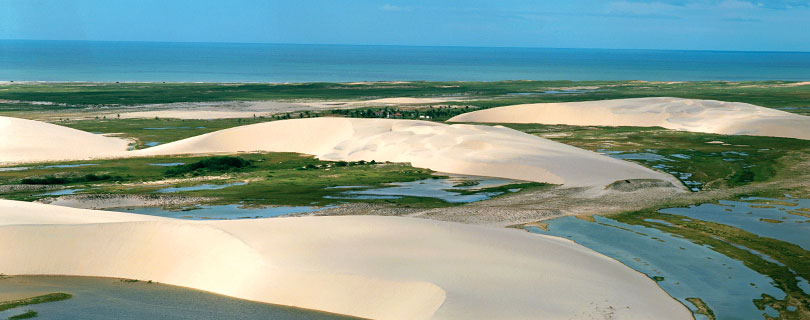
[[31, 141], [376, 267], [673, 113], [460, 149]]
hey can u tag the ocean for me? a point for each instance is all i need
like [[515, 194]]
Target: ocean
[[23, 60]]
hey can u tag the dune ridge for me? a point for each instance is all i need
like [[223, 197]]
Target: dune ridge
[[460, 149], [340, 264], [708, 116]]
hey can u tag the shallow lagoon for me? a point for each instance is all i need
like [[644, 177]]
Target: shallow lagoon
[[688, 270], [200, 187], [60, 166], [748, 216], [170, 164], [448, 190], [652, 158], [109, 298], [61, 192]]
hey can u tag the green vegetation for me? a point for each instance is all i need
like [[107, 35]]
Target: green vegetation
[[69, 95], [434, 113], [271, 179], [688, 156], [211, 165], [702, 308], [27, 315], [90, 177], [51, 297], [731, 242]]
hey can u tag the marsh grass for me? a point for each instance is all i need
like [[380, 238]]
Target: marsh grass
[[271, 179], [486, 94], [51, 297], [688, 156], [27, 315]]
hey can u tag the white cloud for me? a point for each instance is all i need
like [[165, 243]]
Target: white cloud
[[737, 4], [634, 8], [393, 8]]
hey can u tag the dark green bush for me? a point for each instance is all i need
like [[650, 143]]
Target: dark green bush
[[65, 180], [213, 164]]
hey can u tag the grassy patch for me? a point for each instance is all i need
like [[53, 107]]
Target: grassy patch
[[27, 315], [487, 94], [51, 297], [702, 308], [90, 177], [688, 156], [269, 179], [213, 165]]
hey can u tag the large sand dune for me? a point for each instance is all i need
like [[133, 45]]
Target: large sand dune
[[31, 141], [461, 149], [708, 116], [375, 267]]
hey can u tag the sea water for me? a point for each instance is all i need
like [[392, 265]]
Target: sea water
[[27, 60]]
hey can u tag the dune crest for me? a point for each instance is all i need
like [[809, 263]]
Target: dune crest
[[709, 116], [460, 149], [342, 264]]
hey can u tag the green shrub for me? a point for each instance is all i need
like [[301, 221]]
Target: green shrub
[[213, 164], [68, 179], [27, 315]]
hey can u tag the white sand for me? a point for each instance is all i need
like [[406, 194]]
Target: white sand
[[32, 141], [460, 149], [375, 267], [708, 116]]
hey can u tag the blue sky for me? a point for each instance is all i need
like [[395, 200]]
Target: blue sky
[[630, 24]]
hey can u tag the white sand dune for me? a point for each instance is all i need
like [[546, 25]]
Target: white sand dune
[[32, 141], [375, 267], [708, 116], [460, 149]]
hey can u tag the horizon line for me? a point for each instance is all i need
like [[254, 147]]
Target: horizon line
[[403, 45]]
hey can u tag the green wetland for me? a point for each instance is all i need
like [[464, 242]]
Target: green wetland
[[288, 182], [735, 247], [67, 96]]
